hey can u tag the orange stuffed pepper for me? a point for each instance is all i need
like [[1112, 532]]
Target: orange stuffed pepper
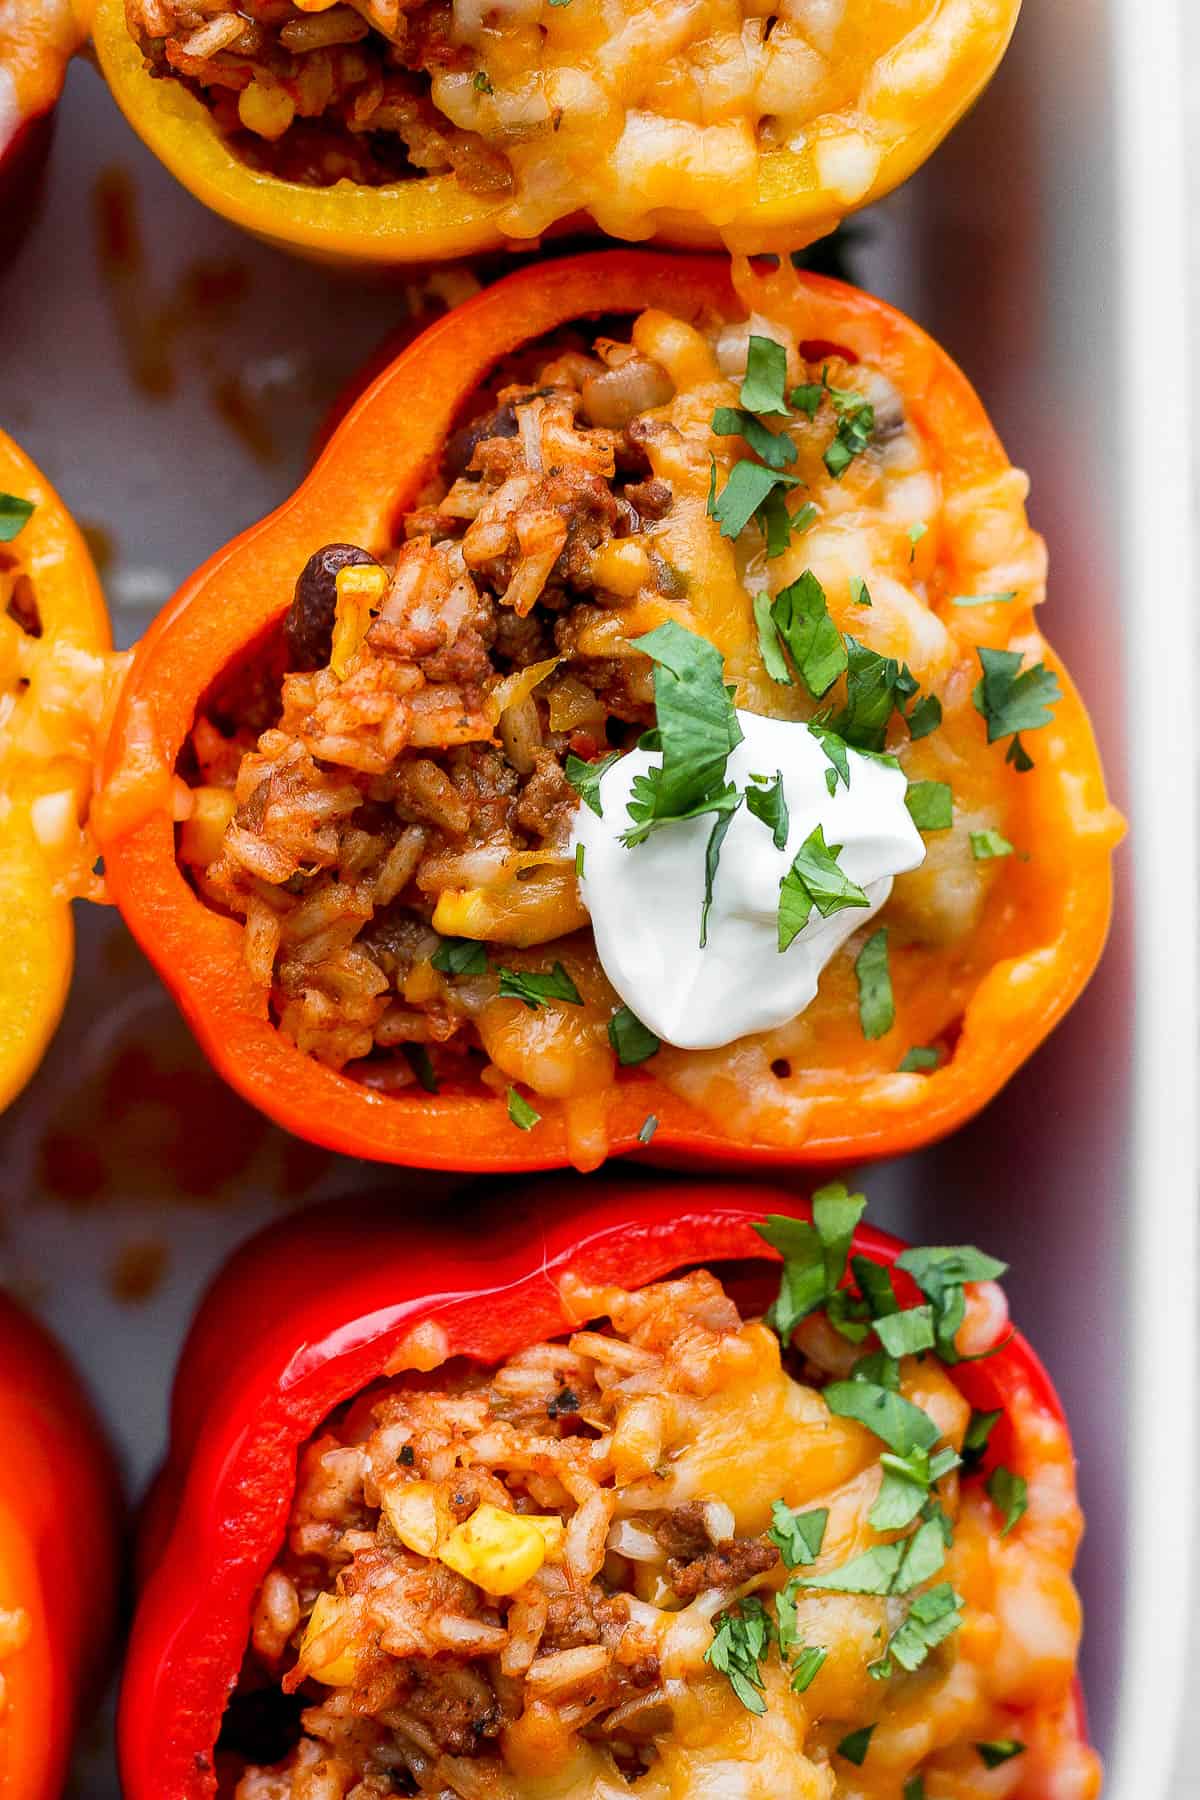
[[37, 40], [632, 733], [57, 675], [385, 132], [59, 1550]]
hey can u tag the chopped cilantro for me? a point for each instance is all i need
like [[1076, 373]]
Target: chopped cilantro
[[774, 661], [906, 1333], [482, 81], [855, 1745], [984, 599], [460, 956], [1011, 1494], [914, 534], [775, 448], [1013, 702], [921, 1056], [835, 750], [814, 879], [899, 1424], [766, 374], [521, 1113], [806, 1666], [894, 1568], [648, 1128], [905, 1487], [579, 852], [941, 1272], [801, 617], [876, 686], [802, 518], [914, 1788], [419, 1061], [748, 487], [633, 1042], [535, 990], [925, 717], [986, 844], [808, 396], [979, 1429], [697, 726], [768, 802], [856, 422], [585, 778], [814, 1255], [15, 514], [931, 1618], [740, 1642], [876, 1001], [999, 1750], [798, 1536], [860, 593], [930, 805], [712, 856]]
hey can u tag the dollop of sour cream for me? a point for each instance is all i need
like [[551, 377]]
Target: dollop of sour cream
[[645, 902]]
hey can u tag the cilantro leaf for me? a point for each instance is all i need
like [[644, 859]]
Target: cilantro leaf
[[585, 778], [876, 1001], [777, 524], [766, 374], [932, 1617], [905, 1487], [876, 686], [1012, 702], [15, 514], [712, 854], [906, 1333], [920, 1057], [698, 728], [856, 422], [941, 1272], [807, 1666], [535, 989], [894, 1568], [814, 1256], [986, 844], [930, 805], [801, 617], [925, 717], [808, 396], [814, 879], [984, 599], [746, 490], [774, 661], [482, 82], [579, 854], [902, 1426], [855, 1745], [520, 1112], [1010, 1493], [836, 752], [740, 1642], [770, 805], [798, 1536], [860, 593], [421, 1063], [979, 1429], [999, 1750], [914, 1788], [776, 449], [460, 956], [633, 1042], [875, 1284], [914, 535]]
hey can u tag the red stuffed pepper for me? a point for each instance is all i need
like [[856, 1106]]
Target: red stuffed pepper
[[457, 1515], [58, 1558]]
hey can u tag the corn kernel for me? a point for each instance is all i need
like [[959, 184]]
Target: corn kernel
[[554, 1532], [201, 833], [414, 1515], [499, 1551], [265, 109], [422, 983], [360, 588], [341, 1670]]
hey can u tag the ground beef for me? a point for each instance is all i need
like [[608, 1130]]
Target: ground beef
[[726, 1566]]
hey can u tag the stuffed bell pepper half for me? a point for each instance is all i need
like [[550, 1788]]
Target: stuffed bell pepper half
[[37, 40], [57, 682], [387, 131], [689, 1491], [59, 1554], [635, 732]]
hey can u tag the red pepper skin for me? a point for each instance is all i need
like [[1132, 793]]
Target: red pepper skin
[[308, 1314], [59, 1555]]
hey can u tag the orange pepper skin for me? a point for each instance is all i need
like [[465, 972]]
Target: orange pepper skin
[[434, 217], [37, 39], [373, 466], [59, 1556], [357, 1295], [35, 914]]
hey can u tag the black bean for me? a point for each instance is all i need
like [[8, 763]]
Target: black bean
[[308, 627], [460, 446]]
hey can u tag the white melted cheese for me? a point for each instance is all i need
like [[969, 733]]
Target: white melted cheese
[[645, 903]]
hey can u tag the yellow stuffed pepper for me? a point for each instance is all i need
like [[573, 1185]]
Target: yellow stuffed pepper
[[385, 131], [57, 676]]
